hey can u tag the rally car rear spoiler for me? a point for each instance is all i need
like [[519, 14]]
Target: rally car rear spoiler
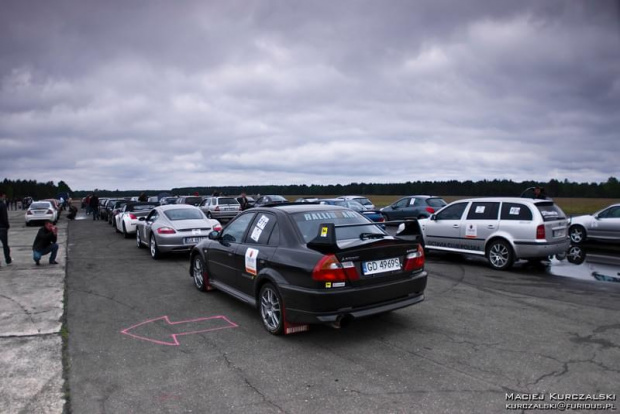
[[326, 240]]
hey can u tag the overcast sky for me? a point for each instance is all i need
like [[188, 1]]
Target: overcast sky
[[162, 94]]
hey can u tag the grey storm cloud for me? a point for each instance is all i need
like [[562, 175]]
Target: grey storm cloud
[[160, 94]]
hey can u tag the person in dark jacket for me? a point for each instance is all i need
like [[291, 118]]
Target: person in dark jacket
[[45, 243], [4, 229], [94, 206]]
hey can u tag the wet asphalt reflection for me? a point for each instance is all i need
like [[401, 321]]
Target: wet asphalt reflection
[[592, 262]]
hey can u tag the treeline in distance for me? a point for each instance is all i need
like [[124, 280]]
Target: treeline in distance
[[505, 188]]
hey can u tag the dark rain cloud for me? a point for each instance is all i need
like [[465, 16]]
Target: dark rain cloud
[[159, 94]]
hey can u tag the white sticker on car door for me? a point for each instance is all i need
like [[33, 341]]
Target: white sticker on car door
[[471, 231], [250, 261]]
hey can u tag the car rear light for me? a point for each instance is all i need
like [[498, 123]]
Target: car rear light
[[29, 213], [430, 210], [540, 232], [165, 230], [415, 260], [329, 269], [217, 227], [132, 216], [49, 211], [381, 219]]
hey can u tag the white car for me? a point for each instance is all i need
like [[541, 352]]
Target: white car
[[368, 205], [127, 220], [41, 211], [502, 229], [603, 225]]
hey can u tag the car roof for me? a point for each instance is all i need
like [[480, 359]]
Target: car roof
[[300, 208], [176, 207], [507, 200]]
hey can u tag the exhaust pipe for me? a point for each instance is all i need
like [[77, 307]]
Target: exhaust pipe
[[341, 321]]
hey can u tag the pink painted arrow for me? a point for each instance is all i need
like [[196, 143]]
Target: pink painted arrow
[[148, 329]]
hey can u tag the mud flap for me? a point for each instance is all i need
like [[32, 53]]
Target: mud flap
[[291, 328]]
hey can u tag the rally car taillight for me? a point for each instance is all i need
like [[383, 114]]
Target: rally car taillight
[[430, 210], [132, 216], [165, 230], [329, 269], [540, 232], [414, 260]]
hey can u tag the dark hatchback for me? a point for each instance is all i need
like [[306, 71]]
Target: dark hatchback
[[311, 264]]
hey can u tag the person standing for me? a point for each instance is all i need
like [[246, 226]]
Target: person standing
[[243, 201], [94, 206], [4, 229], [45, 243]]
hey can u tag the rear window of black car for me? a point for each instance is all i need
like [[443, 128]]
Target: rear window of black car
[[309, 222], [550, 211], [184, 214]]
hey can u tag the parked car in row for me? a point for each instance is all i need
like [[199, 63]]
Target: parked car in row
[[368, 205], [415, 206], [220, 207], [40, 211], [173, 228], [114, 209], [127, 220], [372, 215], [501, 229], [604, 225], [301, 264], [191, 200], [269, 199]]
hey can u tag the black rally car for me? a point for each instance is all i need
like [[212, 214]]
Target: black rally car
[[311, 264]]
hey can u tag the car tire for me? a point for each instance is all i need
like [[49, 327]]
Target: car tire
[[125, 234], [155, 253], [577, 234], [138, 239], [576, 255], [199, 273], [271, 309], [500, 255]]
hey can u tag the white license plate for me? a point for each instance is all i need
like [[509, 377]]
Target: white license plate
[[193, 240], [380, 266], [559, 233]]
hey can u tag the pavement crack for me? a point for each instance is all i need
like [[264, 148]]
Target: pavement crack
[[90, 292], [21, 307], [231, 365], [589, 339]]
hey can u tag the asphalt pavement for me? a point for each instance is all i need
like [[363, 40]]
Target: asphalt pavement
[[31, 313]]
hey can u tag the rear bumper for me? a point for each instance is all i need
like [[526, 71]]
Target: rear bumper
[[531, 250], [329, 305]]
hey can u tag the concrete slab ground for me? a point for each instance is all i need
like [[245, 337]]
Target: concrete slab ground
[[31, 309]]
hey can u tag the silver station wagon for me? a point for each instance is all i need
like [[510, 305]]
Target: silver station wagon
[[501, 229]]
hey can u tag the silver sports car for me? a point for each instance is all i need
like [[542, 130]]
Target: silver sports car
[[173, 228]]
